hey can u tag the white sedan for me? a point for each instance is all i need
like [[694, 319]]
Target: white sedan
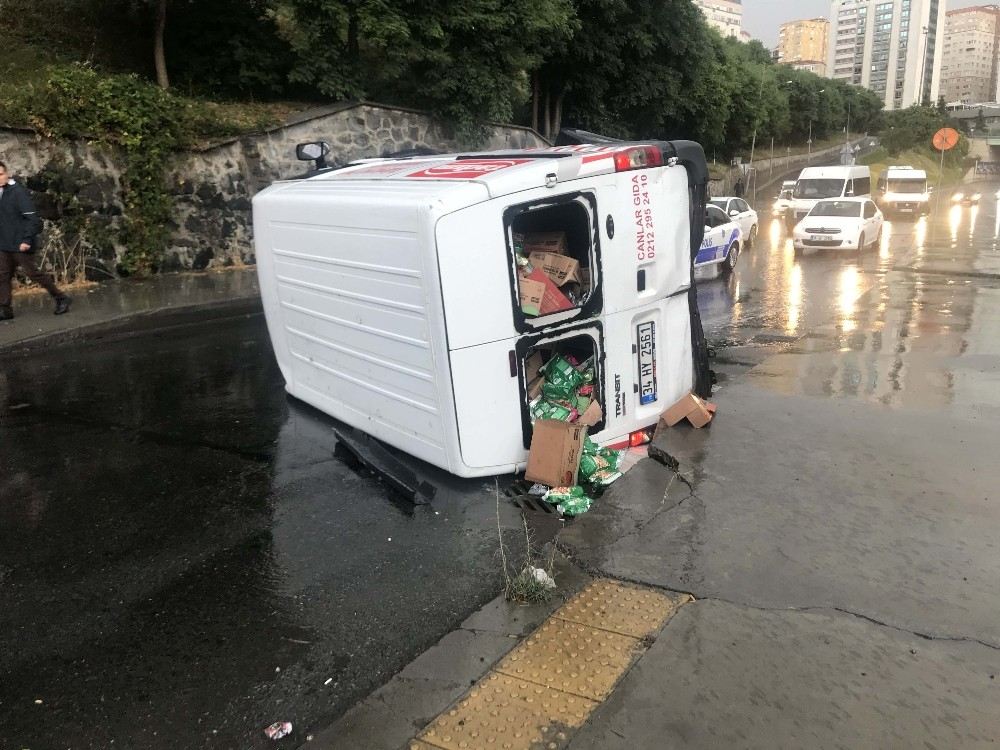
[[721, 246], [740, 212], [850, 223]]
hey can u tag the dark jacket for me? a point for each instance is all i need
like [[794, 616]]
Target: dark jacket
[[18, 220]]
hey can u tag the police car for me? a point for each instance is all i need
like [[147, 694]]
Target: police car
[[722, 243], [740, 212]]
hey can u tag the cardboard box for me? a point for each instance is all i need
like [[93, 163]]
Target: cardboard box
[[531, 293], [592, 416], [535, 388], [697, 412], [533, 375], [554, 458], [560, 268], [545, 242], [552, 300]]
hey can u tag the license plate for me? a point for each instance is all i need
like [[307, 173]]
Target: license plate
[[646, 334], [822, 237]]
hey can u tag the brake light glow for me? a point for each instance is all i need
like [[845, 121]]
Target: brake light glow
[[640, 437], [638, 157], [635, 439]]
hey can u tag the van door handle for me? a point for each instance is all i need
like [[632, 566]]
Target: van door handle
[[512, 359]]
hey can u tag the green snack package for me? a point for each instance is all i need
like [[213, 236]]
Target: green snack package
[[604, 477], [544, 409], [613, 458], [581, 403], [590, 448], [571, 501], [590, 465], [574, 506], [561, 379]]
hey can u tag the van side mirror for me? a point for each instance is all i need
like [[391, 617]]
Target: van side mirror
[[734, 212], [314, 151], [849, 194]]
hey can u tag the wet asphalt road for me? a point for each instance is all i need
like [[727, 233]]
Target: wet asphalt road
[[774, 297], [182, 561]]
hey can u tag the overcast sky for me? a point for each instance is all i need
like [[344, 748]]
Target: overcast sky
[[763, 17]]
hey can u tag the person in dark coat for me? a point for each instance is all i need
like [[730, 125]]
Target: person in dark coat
[[738, 188], [19, 230]]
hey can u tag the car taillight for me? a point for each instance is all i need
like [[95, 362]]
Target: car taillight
[[635, 439], [638, 157], [640, 437]]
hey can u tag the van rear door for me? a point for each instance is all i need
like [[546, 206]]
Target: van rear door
[[647, 235]]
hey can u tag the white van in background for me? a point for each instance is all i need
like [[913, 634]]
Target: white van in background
[[904, 190], [820, 183]]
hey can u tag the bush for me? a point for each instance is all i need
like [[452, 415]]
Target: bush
[[145, 122]]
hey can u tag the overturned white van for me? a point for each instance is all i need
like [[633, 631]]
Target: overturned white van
[[391, 291]]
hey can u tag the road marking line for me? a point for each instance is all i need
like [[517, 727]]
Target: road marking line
[[547, 687]]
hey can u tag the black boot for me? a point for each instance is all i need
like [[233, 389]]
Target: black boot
[[6, 313], [62, 305]]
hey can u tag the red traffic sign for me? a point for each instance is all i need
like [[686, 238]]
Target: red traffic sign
[[945, 139]]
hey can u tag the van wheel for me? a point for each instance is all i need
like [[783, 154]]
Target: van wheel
[[734, 255], [861, 242]]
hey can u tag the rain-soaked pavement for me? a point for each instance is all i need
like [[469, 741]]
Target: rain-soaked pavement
[[182, 560]]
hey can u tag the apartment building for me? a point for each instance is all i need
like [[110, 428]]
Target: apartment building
[[724, 15], [971, 52], [803, 44], [892, 47]]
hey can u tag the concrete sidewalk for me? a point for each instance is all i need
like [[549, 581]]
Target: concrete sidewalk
[[130, 305]]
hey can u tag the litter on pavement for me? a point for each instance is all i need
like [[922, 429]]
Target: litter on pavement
[[278, 730]]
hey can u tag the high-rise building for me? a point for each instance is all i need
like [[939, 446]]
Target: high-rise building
[[971, 52], [724, 15], [889, 46], [802, 44]]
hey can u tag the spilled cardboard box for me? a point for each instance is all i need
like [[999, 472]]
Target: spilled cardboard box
[[554, 457], [697, 411]]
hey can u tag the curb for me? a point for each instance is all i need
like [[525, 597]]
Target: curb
[[134, 324]]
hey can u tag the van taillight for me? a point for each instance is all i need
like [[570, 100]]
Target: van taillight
[[638, 157]]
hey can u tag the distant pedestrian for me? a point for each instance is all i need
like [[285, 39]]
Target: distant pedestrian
[[738, 188], [19, 230]]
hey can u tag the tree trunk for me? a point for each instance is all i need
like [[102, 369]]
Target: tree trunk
[[535, 94], [557, 116], [159, 58], [548, 112]]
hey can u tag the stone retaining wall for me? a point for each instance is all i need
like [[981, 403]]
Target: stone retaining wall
[[77, 185]]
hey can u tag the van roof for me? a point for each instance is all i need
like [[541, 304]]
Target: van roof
[[512, 170], [833, 172], [910, 171]]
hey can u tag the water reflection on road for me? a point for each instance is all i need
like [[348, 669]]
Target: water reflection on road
[[920, 337]]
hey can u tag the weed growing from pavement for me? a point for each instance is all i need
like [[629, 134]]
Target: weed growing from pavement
[[520, 582]]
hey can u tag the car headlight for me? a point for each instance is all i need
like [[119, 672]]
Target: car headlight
[[958, 196], [976, 196]]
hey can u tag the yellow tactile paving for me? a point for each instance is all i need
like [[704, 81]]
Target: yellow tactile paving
[[573, 658], [544, 690], [509, 714], [621, 608]]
